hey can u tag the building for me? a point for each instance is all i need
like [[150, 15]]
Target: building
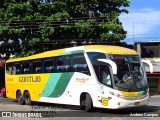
[[151, 51]]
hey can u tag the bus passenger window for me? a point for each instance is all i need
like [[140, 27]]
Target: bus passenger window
[[36, 66], [49, 65], [17, 67], [63, 64], [13, 68], [9, 68], [26, 67], [79, 64]]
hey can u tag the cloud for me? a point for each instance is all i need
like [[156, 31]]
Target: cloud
[[141, 23]]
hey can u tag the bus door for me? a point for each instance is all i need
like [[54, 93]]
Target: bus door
[[106, 82], [106, 70]]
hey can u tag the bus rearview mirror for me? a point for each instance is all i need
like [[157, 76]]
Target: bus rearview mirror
[[111, 63], [149, 64]]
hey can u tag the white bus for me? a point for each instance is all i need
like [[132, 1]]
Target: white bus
[[88, 76]]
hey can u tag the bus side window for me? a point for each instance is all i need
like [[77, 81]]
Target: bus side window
[[37, 66], [63, 64], [17, 68], [13, 70], [49, 65], [105, 75], [26, 67], [94, 56], [9, 68], [79, 64]]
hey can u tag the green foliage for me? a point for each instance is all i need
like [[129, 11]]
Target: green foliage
[[45, 29], [54, 24]]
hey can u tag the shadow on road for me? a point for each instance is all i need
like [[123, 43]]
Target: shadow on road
[[75, 111], [141, 109]]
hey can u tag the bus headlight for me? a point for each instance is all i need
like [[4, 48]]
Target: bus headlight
[[116, 94]]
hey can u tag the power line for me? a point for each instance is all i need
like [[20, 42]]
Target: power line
[[64, 19], [54, 26]]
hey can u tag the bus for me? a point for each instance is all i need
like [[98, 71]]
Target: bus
[[91, 76]]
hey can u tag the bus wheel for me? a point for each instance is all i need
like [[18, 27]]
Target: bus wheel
[[82, 102], [88, 103], [27, 98], [20, 98]]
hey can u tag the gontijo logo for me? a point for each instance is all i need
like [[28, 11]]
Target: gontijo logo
[[105, 101], [30, 79]]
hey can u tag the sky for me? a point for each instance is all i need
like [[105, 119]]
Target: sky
[[142, 23]]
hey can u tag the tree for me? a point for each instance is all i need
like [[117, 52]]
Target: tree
[[37, 25]]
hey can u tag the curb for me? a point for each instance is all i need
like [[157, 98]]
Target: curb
[[155, 96]]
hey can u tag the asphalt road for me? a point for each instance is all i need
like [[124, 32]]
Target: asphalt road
[[69, 112]]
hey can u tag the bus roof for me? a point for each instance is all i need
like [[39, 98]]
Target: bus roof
[[108, 49]]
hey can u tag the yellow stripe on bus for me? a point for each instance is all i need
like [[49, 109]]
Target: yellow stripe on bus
[[111, 49], [41, 55], [129, 94]]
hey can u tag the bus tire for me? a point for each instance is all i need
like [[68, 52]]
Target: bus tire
[[88, 103], [82, 101], [20, 98], [27, 98]]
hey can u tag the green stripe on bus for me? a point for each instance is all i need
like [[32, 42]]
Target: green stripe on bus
[[62, 84], [77, 51], [56, 84], [72, 52], [51, 84], [65, 53]]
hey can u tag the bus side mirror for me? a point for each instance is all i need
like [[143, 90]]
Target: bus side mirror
[[149, 64], [111, 63]]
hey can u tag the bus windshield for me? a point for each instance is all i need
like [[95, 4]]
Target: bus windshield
[[130, 72]]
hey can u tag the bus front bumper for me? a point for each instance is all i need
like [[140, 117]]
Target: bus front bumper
[[118, 103]]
